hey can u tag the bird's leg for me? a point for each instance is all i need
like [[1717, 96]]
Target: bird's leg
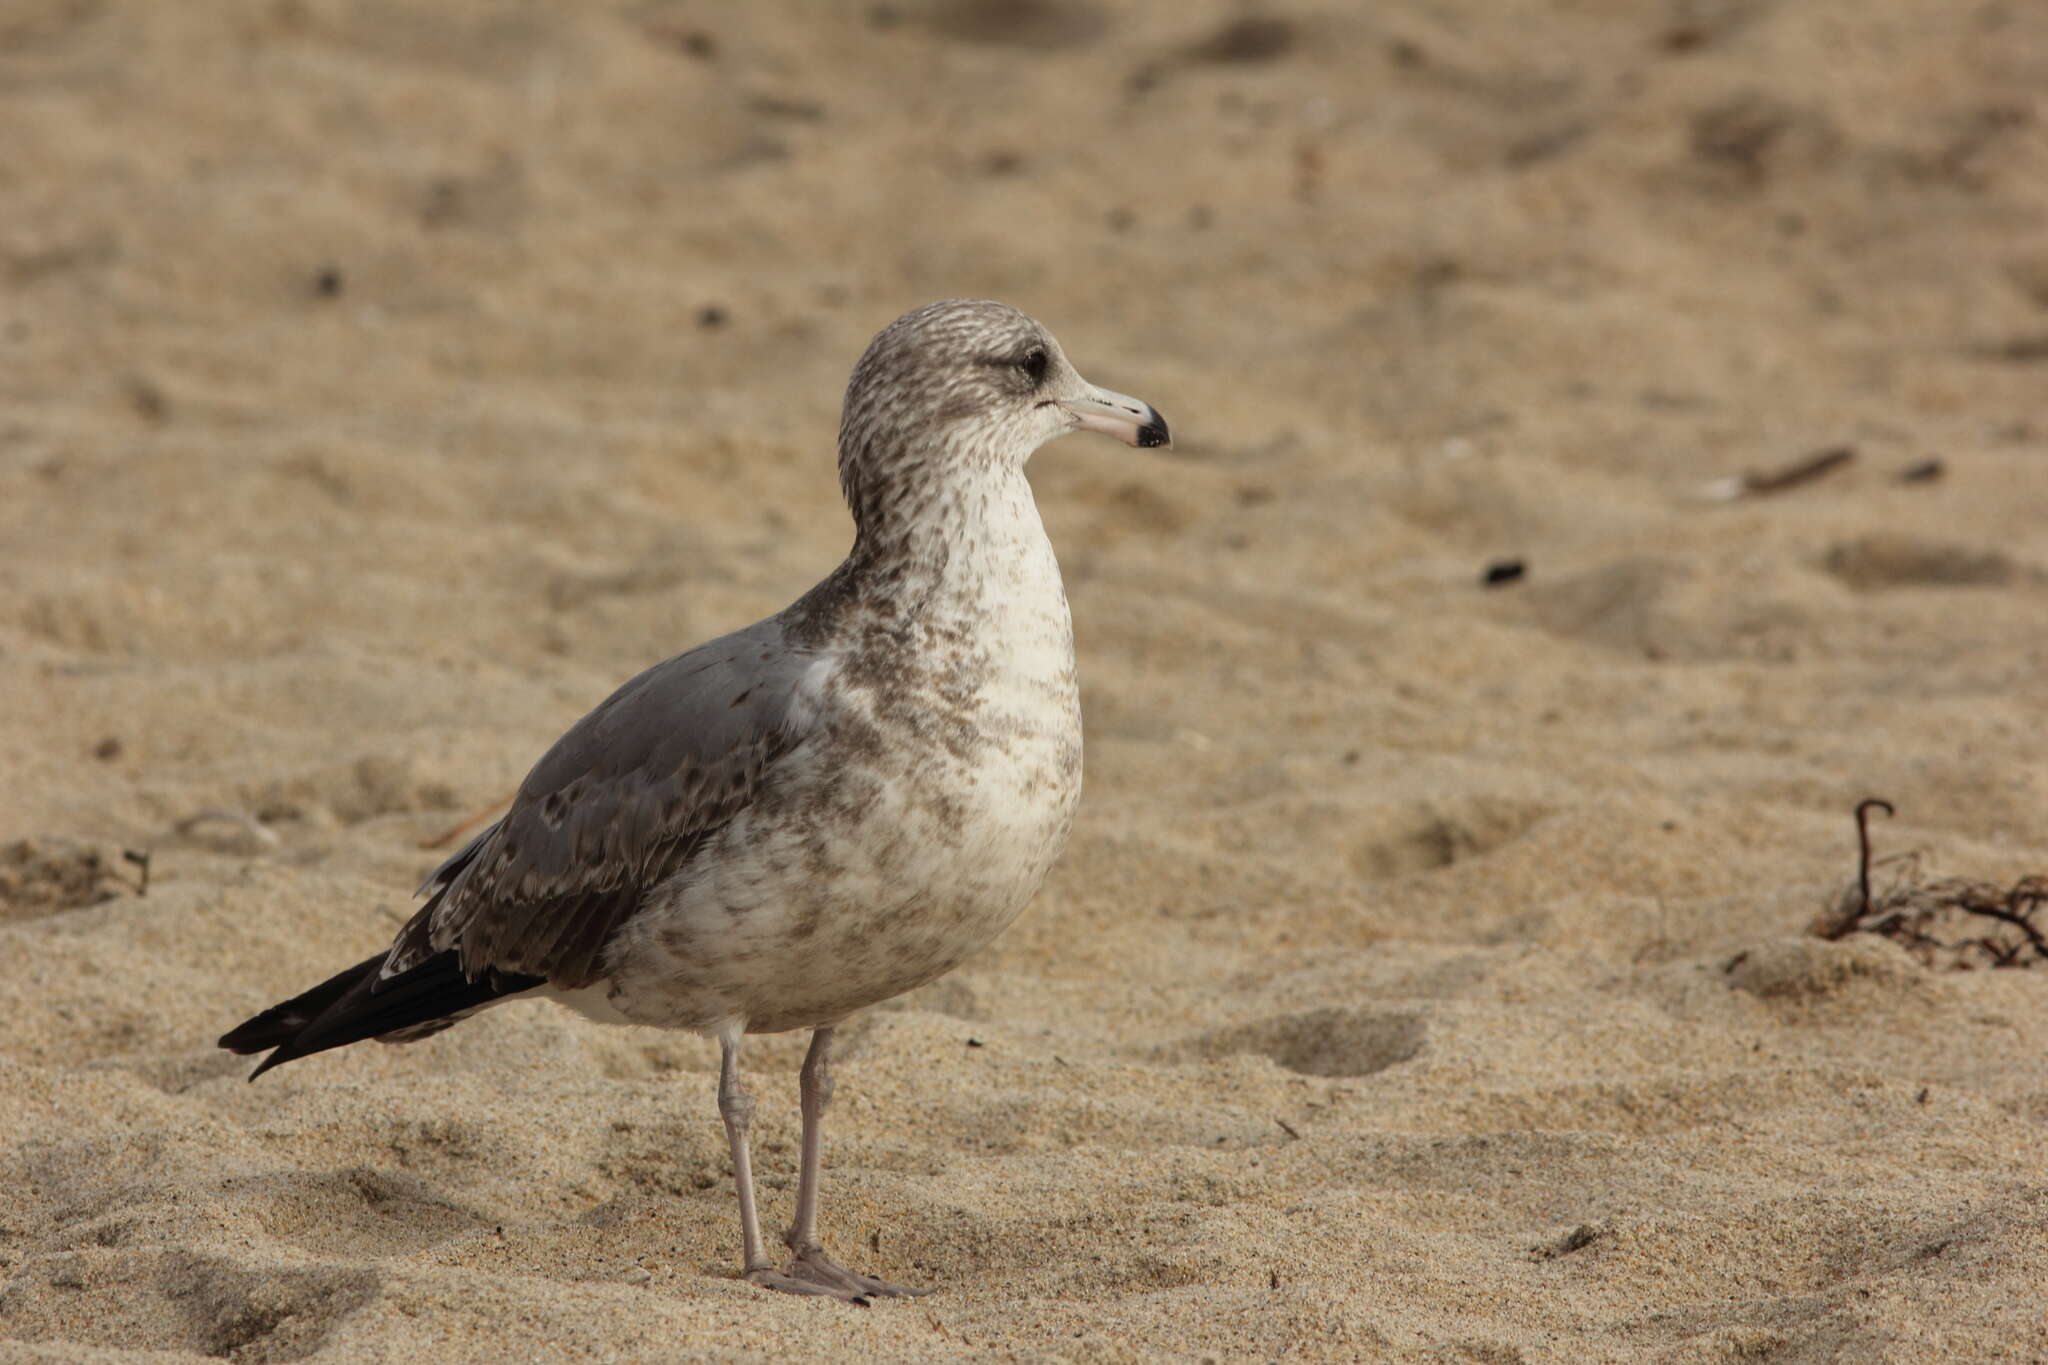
[[811, 1263], [814, 1090], [736, 1107]]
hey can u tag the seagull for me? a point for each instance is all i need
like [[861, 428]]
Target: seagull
[[828, 808]]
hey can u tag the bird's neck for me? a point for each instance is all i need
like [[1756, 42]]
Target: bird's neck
[[936, 516], [956, 544], [949, 554], [941, 542]]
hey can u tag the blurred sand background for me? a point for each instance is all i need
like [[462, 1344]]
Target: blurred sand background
[[380, 383]]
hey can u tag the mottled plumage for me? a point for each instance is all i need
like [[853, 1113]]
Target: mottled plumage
[[614, 810], [825, 809]]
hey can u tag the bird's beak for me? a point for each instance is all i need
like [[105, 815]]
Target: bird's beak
[[1133, 422]]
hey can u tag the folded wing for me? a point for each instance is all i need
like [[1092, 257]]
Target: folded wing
[[617, 807]]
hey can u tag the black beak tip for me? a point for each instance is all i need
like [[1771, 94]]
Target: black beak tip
[[1154, 432]]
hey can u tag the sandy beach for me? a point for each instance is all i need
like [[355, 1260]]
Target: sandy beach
[[1430, 976]]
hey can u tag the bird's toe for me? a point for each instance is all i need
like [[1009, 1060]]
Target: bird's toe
[[784, 1283], [813, 1264]]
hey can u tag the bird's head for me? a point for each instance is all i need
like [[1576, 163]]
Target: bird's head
[[968, 382]]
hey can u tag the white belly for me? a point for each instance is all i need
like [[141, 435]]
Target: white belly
[[904, 873]]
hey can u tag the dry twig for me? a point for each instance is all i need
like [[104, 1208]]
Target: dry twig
[[1941, 922], [1756, 482]]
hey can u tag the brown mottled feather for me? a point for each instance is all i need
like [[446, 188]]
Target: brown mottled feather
[[616, 808]]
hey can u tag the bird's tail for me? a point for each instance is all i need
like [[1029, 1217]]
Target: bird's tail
[[356, 1004]]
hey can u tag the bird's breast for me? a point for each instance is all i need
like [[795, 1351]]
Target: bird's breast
[[968, 738]]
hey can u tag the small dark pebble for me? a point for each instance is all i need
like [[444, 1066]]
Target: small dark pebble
[[2027, 348], [149, 401], [787, 106], [1578, 1239], [327, 284], [1683, 38], [1250, 39], [1926, 471], [711, 315], [974, 1042], [1502, 571], [108, 749]]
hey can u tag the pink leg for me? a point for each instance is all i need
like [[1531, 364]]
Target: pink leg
[[812, 1271]]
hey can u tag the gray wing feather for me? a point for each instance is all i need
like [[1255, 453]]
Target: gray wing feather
[[619, 805]]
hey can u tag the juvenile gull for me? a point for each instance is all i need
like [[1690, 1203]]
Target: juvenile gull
[[824, 810]]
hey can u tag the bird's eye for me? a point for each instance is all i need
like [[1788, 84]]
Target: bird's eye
[[1033, 364]]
